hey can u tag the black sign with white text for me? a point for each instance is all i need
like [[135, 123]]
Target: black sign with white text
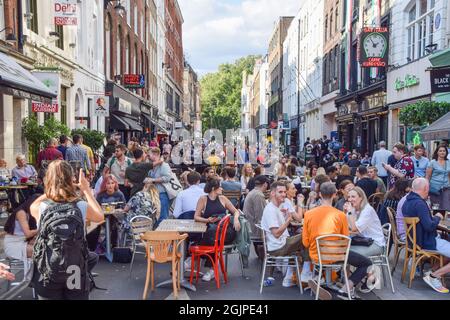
[[440, 80]]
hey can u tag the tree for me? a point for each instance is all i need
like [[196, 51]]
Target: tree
[[91, 138], [39, 135], [423, 113], [221, 94]]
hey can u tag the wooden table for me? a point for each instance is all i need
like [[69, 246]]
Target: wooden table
[[182, 226]]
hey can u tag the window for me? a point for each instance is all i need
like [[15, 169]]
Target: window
[[63, 106], [34, 16], [60, 42], [127, 55], [336, 20], [136, 59], [128, 11], [108, 46], [135, 19], [420, 30], [331, 23], [119, 52], [326, 27]]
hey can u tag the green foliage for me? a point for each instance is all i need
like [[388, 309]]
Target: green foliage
[[221, 94], [92, 138], [423, 113], [38, 135]]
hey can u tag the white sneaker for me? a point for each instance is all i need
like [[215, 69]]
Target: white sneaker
[[287, 282], [435, 283], [305, 277], [209, 275]]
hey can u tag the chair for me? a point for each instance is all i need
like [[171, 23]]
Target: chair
[[217, 250], [139, 225], [375, 200], [17, 266], [333, 250], [162, 247], [414, 251], [382, 260], [399, 245], [277, 261], [234, 197]]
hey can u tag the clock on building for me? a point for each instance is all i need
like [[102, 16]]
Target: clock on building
[[375, 45]]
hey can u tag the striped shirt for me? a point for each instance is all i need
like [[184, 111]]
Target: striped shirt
[[78, 153]]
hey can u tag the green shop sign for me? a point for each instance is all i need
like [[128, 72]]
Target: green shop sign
[[409, 81]]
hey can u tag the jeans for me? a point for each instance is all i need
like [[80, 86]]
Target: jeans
[[165, 204], [361, 264]]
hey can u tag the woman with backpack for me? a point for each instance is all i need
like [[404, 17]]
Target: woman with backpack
[[61, 257]]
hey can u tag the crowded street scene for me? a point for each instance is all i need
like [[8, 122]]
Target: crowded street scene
[[143, 157]]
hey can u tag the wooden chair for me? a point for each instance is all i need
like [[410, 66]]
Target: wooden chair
[[234, 197], [399, 245], [414, 251], [333, 250], [162, 247], [376, 199]]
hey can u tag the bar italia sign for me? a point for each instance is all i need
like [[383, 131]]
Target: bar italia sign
[[409, 81], [374, 47]]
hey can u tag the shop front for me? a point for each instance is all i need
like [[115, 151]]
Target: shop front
[[19, 92], [405, 86], [362, 118], [125, 113]]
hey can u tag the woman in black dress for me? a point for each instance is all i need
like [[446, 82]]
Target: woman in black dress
[[211, 209]]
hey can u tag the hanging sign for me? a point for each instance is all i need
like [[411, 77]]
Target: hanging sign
[[374, 47], [101, 107], [440, 80], [65, 12]]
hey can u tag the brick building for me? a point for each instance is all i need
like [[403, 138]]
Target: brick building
[[174, 61]]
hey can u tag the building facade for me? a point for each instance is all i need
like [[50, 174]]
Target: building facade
[[247, 80], [191, 97]]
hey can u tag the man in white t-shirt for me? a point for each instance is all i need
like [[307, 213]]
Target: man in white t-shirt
[[275, 225]]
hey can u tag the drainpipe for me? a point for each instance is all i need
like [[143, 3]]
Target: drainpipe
[[20, 25]]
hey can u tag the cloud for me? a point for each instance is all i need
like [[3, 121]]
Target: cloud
[[216, 32]]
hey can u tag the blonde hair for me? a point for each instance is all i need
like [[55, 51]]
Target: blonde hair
[[153, 193], [345, 170], [362, 195], [3, 162], [320, 171], [58, 182], [244, 171], [20, 156]]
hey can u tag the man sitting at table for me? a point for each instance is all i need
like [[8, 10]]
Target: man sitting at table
[[426, 232], [325, 220], [186, 201], [275, 225]]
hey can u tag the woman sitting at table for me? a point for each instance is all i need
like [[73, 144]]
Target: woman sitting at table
[[363, 220], [211, 209], [4, 171], [21, 228], [344, 189], [144, 203], [109, 193]]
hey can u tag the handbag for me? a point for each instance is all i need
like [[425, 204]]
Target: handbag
[[122, 255], [361, 241], [173, 187]]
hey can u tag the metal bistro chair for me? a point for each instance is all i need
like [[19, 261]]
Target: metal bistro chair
[[139, 225], [375, 200], [17, 266], [333, 250], [399, 244], [414, 251], [382, 260], [277, 261]]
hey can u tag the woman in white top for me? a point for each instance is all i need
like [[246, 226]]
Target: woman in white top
[[364, 221], [246, 174]]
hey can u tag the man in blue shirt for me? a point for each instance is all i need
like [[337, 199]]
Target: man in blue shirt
[[420, 162]]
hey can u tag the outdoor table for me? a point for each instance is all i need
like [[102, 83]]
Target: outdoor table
[[17, 188], [91, 226], [182, 226], [444, 226], [108, 253]]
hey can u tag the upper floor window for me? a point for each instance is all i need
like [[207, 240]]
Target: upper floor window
[[420, 29], [128, 11], [60, 42], [32, 9]]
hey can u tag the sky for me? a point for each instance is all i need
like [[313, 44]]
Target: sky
[[220, 31]]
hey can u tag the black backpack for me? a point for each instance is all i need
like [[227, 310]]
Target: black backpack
[[61, 246]]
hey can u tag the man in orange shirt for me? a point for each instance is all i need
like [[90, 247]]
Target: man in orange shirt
[[325, 220]]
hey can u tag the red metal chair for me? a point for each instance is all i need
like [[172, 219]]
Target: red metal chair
[[216, 251]]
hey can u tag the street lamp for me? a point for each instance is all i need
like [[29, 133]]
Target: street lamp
[[119, 8], [10, 37]]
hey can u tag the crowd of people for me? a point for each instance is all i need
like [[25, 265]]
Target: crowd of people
[[328, 194]]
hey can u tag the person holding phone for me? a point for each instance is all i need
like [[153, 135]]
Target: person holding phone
[[210, 210], [404, 168]]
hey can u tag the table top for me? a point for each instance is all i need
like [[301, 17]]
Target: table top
[[114, 212], [180, 225], [91, 226], [14, 187], [445, 225]]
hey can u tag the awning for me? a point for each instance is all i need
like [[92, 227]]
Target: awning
[[438, 130], [400, 105], [124, 123], [157, 125], [14, 76]]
